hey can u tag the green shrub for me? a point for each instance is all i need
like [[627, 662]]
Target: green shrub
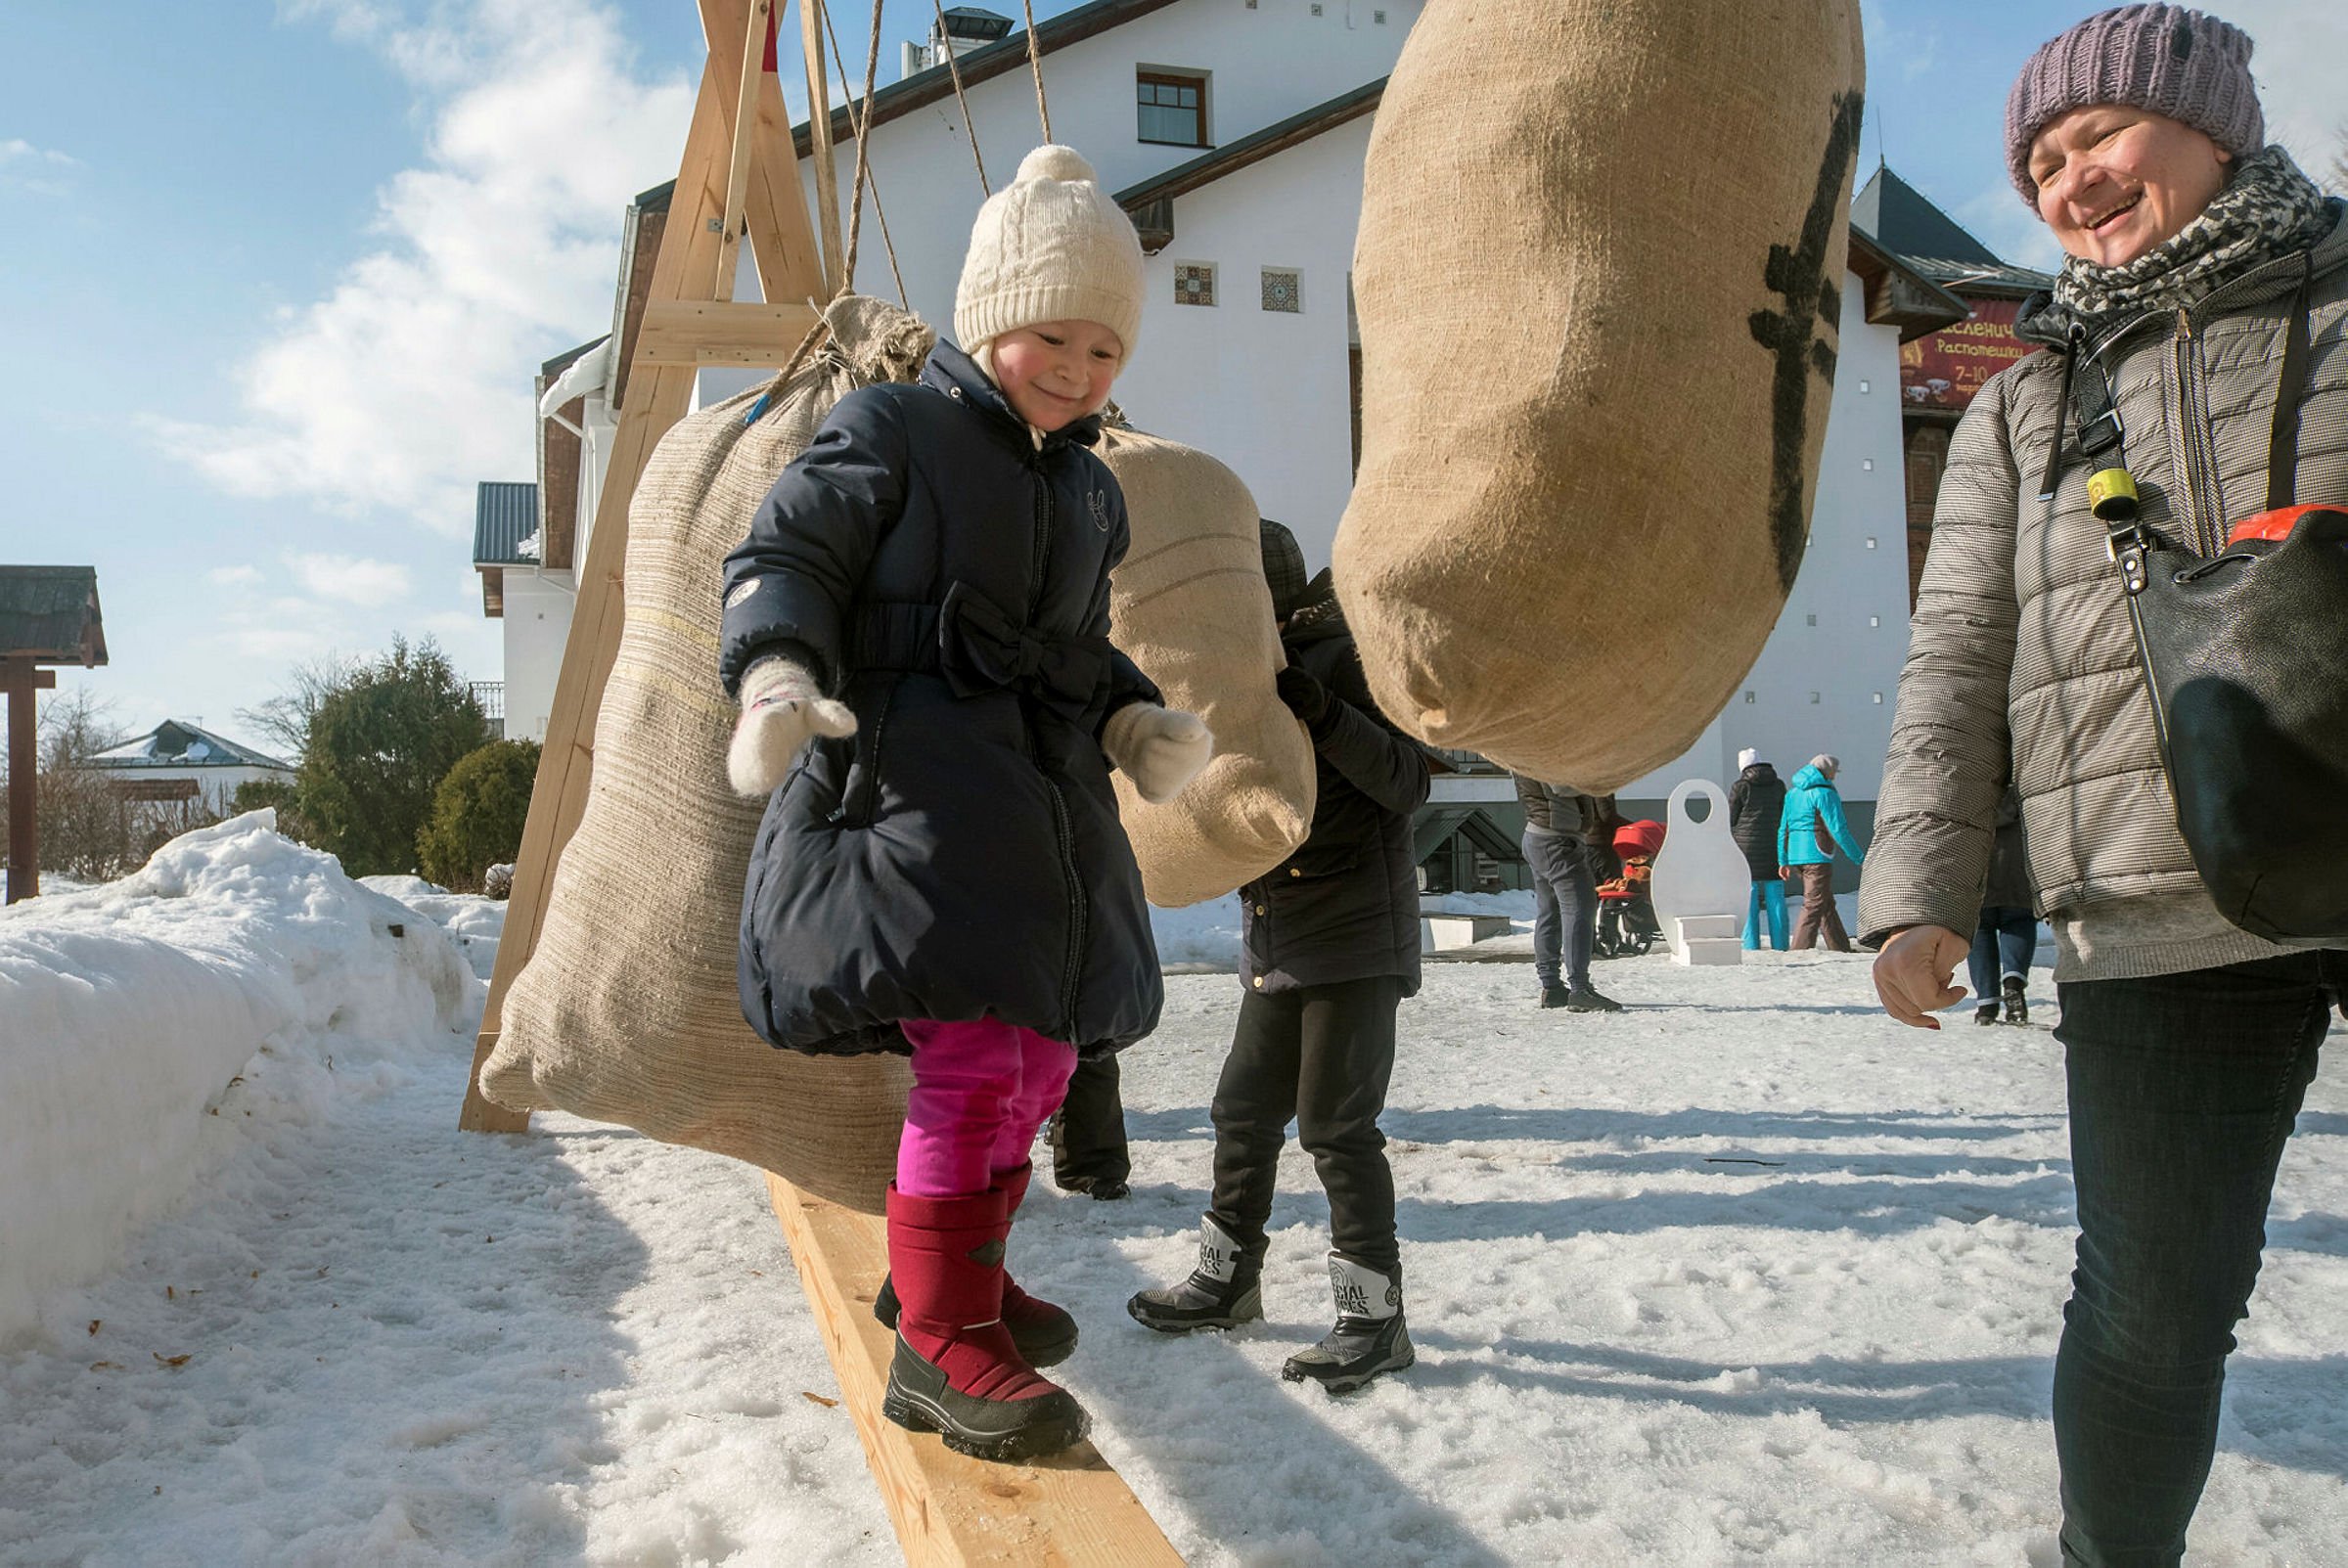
[[478, 814]]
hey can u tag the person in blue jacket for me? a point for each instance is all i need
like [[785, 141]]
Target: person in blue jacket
[[1808, 835]]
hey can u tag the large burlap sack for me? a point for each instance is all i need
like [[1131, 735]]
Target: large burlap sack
[[1597, 273], [1189, 605], [627, 1010]]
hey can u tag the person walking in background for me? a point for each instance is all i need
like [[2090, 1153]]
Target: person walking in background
[[2008, 935], [1558, 822], [1329, 948], [1808, 835], [1756, 809], [1089, 1152], [2206, 294]]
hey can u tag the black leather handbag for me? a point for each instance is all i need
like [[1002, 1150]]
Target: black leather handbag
[[2245, 653]]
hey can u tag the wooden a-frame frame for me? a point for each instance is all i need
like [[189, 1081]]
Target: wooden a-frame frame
[[739, 179]]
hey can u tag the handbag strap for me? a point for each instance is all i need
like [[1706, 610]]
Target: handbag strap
[[2291, 389]]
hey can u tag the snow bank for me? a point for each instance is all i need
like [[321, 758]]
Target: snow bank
[[1202, 936], [471, 922], [130, 1011]]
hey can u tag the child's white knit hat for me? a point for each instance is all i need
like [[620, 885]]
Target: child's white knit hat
[[1051, 246]]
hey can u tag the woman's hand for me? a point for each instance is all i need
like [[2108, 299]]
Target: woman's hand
[[1914, 970]]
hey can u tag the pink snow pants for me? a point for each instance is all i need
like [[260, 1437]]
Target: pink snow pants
[[979, 1092]]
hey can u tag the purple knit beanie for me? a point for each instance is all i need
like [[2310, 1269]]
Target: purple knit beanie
[[2172, 60]]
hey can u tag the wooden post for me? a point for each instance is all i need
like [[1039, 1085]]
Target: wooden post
[[23, 679], [818, 139]]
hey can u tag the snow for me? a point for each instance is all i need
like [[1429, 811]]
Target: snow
[[471, 922], [1746, 1274]]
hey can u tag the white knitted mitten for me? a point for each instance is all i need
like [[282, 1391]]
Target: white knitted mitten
[[781, 707], [1160, 749]]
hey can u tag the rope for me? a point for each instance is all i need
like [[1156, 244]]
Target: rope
[[1035, 64], [954, 68], [864, 142], [865, 177]]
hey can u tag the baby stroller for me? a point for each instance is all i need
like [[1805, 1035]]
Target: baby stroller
[[1627, 926]]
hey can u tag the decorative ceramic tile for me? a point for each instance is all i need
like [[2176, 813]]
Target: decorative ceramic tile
[[1283, 292], [1193, 284]]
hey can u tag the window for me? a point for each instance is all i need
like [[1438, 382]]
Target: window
[[1283, 291], [1194, 282], [1171, 108]]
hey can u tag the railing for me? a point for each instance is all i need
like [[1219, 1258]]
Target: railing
[[491, 696]]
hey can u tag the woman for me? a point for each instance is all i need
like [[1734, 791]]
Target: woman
[[2137, 137], [1809, 832], [2008, 935]]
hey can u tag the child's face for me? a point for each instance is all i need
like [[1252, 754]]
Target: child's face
[[1057, 372]]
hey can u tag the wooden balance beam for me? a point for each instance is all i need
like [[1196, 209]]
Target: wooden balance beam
[[1071, 1509]]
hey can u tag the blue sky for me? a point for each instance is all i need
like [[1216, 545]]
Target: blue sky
[[278, 275]]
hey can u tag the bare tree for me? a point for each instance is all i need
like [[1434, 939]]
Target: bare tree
[[285, 718], [2339, 160], [91, 830]]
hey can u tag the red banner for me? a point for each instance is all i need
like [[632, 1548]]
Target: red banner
[[1946, 368]]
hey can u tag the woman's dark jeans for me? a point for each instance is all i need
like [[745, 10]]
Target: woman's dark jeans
[[2002, 943], [2183, 1089]]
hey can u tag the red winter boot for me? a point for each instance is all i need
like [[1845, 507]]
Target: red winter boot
[[1045, 1334], [956, 1370]]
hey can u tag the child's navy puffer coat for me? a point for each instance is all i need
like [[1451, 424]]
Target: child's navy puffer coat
[[960, 856]]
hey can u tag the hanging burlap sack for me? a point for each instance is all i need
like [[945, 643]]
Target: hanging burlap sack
[[627, 1010], [1189, 605], [1598, 274]]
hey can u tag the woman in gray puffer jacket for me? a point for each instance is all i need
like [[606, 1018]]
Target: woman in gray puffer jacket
[[2137, 136]]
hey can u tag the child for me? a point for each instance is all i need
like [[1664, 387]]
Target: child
[[925, 597], [1329, 949]]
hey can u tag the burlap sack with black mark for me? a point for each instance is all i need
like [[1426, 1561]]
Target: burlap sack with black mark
[[1189, 605], [627, 1010], [1597, 277]]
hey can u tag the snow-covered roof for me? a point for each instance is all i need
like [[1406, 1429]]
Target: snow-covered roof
[[177, 743]]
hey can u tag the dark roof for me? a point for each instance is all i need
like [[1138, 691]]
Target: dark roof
[[1981, 278], [504, 515], [1897, 216], [568, 357], [1899, 295], [50, 615], [177, 743], [925, 88], [1231, 157]]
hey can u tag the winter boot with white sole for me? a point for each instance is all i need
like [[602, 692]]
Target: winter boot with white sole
[[1222, 1292], [1370, 1338]]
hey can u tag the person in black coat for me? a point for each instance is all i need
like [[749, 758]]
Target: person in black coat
[[1756, 810], [2007, 936], [918, 630], [1330, 948], [1561, 826]]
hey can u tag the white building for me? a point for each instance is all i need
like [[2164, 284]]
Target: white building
[[1235, 132], [181, 761]]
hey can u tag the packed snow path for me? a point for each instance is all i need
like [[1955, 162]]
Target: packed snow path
[[1746, 1274]]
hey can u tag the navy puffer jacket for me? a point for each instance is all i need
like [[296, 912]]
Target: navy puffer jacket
[[960, 856]]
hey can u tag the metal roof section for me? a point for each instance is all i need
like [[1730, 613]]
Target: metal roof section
[[1979, 278], [178, 744], [505, 516], [49, 615], [1900, 218], [1008, 54]]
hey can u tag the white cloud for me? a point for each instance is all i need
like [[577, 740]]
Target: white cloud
[[410, 380], [350, 579], [39, 169], [233, 576]]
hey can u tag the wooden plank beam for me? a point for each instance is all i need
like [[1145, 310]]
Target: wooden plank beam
[[819, 122], [696, 332], [738, 162], [1071, 1510], [23, 678], [791, 267]]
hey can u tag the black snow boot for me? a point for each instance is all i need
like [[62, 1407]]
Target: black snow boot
[[1588, 1001], [1554, 996], [1987, 1013], [1370, 1338], [1224, 1291], [2017, 1008]]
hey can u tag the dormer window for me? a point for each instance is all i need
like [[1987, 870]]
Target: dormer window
[[1170, 106]]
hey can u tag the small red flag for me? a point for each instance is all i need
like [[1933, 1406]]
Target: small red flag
[[773, 15]]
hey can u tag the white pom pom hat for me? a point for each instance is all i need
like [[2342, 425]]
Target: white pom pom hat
[[1050, 246]]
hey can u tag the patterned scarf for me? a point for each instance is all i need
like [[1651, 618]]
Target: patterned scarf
[[2268, 210]]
